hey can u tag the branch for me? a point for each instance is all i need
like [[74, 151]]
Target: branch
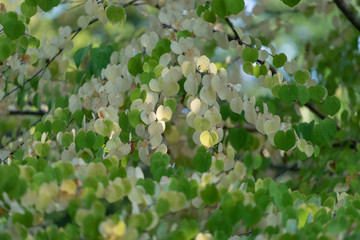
[[349, 14], [27, 112], [316, 111]]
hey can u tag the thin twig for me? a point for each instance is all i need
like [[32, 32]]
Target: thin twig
[[349, 14]]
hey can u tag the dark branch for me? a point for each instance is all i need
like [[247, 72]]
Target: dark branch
[[37, 113], [316, 111], [349, 14]]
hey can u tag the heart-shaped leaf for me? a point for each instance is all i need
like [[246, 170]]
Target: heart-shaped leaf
[[42, 149], [285, 140], [303, 94], [279, 60], [332, 105], [202, 160], [291, 3], [208, 139], [287, 93], [317, 92], [250, 54], [234, 6], [302, 77]]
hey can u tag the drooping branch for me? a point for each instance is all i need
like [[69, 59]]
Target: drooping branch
[[349, 14]]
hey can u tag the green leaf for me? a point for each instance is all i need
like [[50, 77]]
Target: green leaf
[[219, 223], [148, 185], [101, 57], [250, 54], [301, 77], [184, 34], [170, 103], [237, 137], [5, 50], [79, 55], [209, 16], [219, 7], [42, 149], [202, 160], [288, 93], [317, 92], [162, 206], [279, 60], [134, 117], [271, 81], [135, 66], [332, 105], [13, 28], [47, 5], [116, 14], [210, 194], [85, 140], [234, 6], [80, 139], [59, 126], [25, 219], [252, 215], [303, 94], [285, 140], [248, 68], [28, 10], [291, 3]]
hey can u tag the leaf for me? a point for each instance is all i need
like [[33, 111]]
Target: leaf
[[170, 103], [285, 140], [332, 105], [135, 66], [303, 94], [271, 81], [101, 57], [317, 92], [116, 14], [209, 16], [58, 126], [66, 139], [291, 3], [234, 6], [201, 124], [47, 5], [42, 149], [219, 223], [202, 160], [287, 93], [79, 55], [250, 54], [210, 195], [279, 60], [5, 50], [208, 139], [134, 117], [28, 10], [237, 137], [80, 139], [219, 7], [13, 28], [301, 77], [162, 206], [252, 215], [248, 68]]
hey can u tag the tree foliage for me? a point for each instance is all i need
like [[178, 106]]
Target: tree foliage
[[151, 132]]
